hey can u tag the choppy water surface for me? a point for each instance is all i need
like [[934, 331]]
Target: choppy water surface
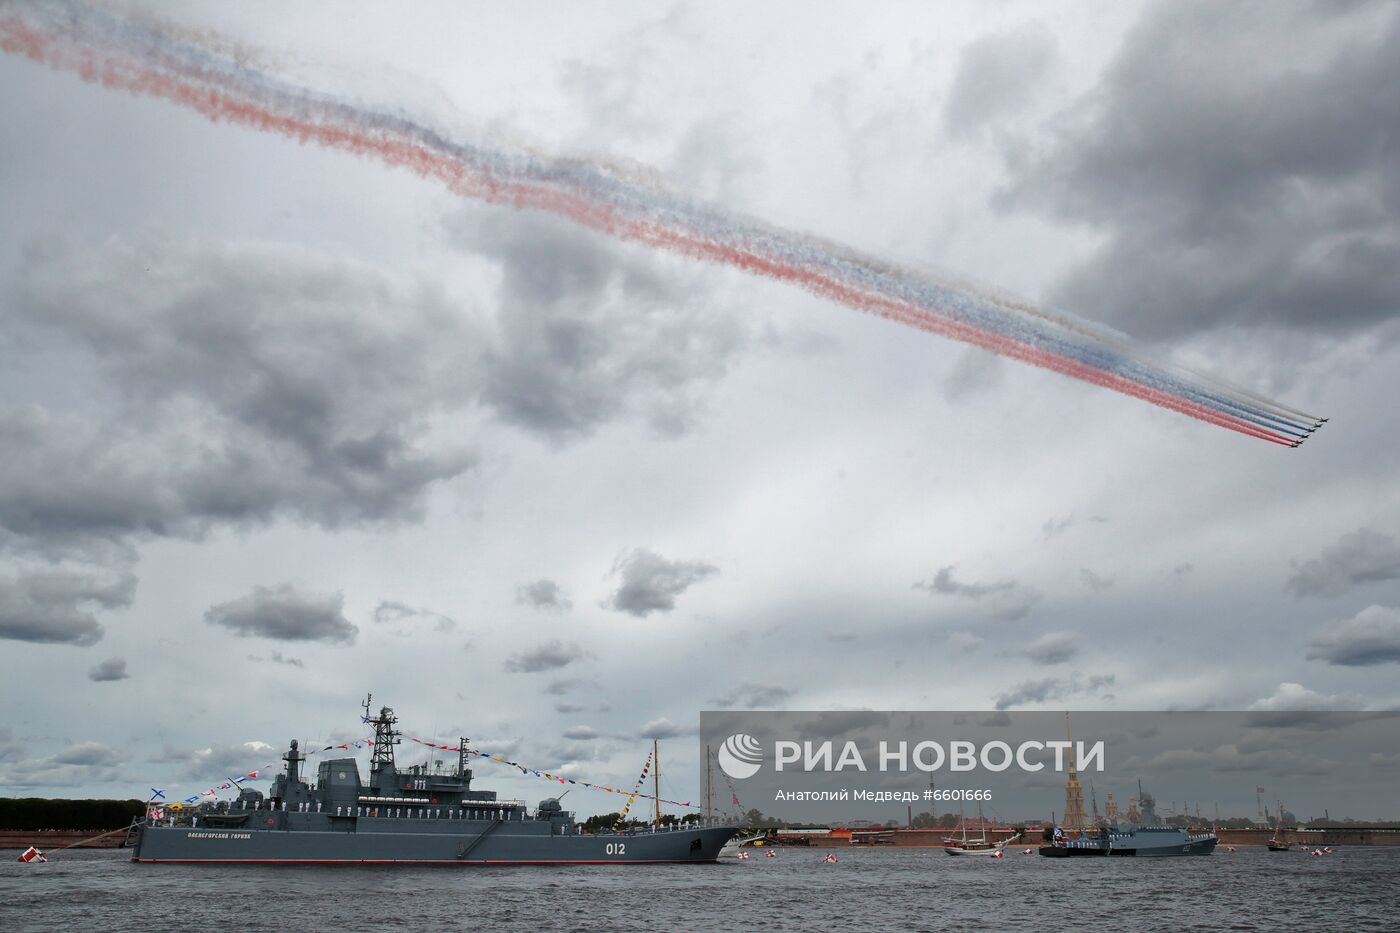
[[881, 889]]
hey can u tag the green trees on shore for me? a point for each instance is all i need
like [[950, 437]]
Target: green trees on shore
[[30, 814]]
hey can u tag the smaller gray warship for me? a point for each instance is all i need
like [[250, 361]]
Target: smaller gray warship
[[1140, 840], [417, 816]]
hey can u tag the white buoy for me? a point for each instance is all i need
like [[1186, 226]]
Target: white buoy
[[32, 854], [1028, 852]]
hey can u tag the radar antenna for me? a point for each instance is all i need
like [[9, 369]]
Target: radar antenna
[[385, 736]]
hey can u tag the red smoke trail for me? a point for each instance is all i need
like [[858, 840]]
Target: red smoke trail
[[220, 105]]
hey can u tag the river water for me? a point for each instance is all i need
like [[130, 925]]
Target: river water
[[867, 890]]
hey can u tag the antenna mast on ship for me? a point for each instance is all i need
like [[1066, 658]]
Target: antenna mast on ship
[[385, 738], [709, 786]]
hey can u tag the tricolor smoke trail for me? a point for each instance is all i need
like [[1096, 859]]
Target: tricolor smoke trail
[[145, 58]]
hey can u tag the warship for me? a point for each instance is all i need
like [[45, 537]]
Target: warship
[[416, 815], [1140, 840]]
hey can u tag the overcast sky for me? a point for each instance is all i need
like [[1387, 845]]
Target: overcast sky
[[280, 426]]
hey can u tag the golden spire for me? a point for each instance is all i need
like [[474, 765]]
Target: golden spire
[[1074, 794]]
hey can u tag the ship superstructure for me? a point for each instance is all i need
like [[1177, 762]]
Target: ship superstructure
[[421, 814]]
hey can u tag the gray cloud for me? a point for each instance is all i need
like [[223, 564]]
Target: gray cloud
[[80, 763], [10, 750], [1093, 581], [964, 642], [574, 751], [244, 383], [87, 754], [944, 583], [580, 733], [663, 728], [407, 620], [1370, 637], [548, 656], [1052, 648], [108, 670], [239, 383], [1008, 599], [1240, 161], [276, 657], [651, 583], [56, 606], [1295, 706], [997, 76], [1046, 689], [831, 724], [214, 385], [284, 613], [589, 330], [753, 696], [1359, 557], [974, 372], [218, 761], [542, 594], [562, 686], [1055, 527], [1031, 691]]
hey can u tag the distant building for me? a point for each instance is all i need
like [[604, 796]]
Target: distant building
[[1075, 819]]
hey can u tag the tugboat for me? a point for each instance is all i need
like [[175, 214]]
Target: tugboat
[[1143, 840], [416, 816]]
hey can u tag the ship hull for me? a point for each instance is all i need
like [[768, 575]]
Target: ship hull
[[181, 844], [1147, 844]]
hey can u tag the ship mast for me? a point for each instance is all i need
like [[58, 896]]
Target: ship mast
[[656, 781], [709, 786], [385, 738]]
